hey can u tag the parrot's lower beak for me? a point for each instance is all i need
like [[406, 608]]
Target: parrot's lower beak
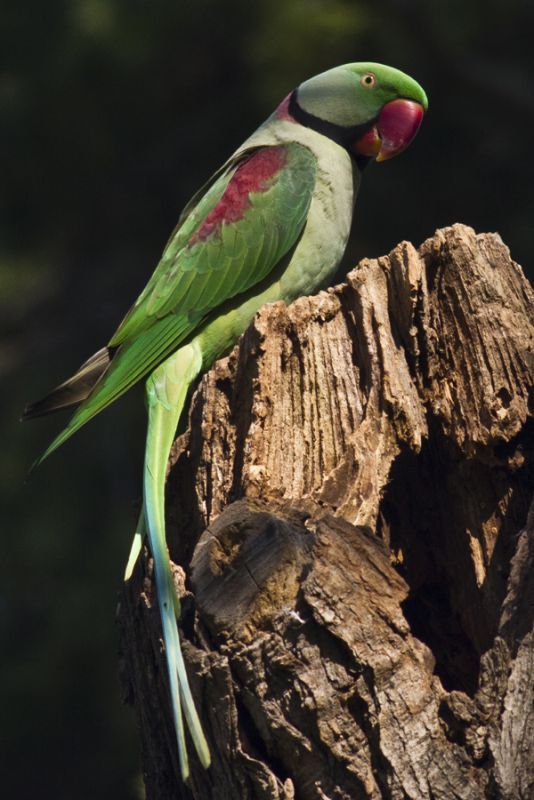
[[395, 128]]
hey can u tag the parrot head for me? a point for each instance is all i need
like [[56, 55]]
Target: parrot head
[[372, 110]]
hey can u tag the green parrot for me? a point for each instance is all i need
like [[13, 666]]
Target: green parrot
[[272, 224]]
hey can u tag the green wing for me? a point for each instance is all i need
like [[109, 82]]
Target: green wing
[[206, 263], [234, 236]]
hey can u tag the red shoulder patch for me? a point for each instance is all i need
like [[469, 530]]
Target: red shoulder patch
[[251, 176]]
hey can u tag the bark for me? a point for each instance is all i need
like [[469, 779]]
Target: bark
[[350, 504]]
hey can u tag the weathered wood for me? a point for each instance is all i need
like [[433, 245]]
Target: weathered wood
[[349, 502]]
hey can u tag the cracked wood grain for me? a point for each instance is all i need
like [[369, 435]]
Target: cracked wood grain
[[349, 507]]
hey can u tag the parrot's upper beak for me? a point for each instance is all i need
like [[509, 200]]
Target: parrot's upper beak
[[397, 124]]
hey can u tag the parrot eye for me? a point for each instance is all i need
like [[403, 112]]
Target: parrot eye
[[368, 81]]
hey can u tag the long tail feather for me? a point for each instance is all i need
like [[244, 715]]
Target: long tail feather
[[166, 392]]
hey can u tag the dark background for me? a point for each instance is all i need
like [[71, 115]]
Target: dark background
[[112, 113]]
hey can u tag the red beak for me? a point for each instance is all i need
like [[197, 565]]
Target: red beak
[[396, 127], [398, 123]]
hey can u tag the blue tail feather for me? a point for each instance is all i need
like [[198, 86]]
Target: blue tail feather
[[166, 391]]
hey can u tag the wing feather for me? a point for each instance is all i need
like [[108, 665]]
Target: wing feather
[[276, 208], [235, 235]]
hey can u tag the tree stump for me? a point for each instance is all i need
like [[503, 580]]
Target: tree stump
[[349, 510]]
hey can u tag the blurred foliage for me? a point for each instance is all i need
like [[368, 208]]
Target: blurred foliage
[[112, 113]]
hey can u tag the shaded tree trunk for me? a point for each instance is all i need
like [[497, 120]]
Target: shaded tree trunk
[[350, 503]]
